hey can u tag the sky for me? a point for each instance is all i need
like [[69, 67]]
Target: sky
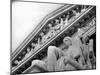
[[25, 17]]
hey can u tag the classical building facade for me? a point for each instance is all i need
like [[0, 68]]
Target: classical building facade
[[63, 22]]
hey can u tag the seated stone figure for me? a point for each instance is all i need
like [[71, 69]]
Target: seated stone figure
[[50, 33], [28, 53], [91, 54], [59, 25], [68, 58], [43, 38]]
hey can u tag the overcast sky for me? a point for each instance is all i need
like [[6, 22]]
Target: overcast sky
[[25, 17]]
